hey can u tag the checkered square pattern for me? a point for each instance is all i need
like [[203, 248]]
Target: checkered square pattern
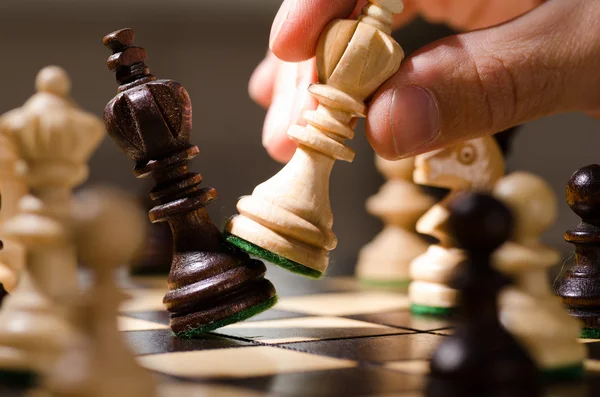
[[336, 339]]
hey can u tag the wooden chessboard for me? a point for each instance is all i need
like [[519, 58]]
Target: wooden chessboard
[[330, 337]]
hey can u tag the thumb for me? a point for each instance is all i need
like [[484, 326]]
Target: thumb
[[483, 82]]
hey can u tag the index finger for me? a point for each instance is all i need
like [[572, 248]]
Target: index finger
[[299, 23]]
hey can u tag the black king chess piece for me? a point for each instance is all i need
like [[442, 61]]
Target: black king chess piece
[[210, 283], [580, 286], [481, 358]]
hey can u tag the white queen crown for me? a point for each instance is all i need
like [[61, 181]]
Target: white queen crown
[[53, 137]]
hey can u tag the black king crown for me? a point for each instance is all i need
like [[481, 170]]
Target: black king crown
[[210, 284]]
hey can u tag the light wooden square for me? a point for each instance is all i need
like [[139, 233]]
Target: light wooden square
[[205, 390], [136, 324], [142, 300], [592, 365], [303, 327], [407, 394], [415, 367], [581, 340], [344, 304], [243, 362]]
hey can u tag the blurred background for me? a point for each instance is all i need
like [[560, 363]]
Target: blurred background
[[212, 47]]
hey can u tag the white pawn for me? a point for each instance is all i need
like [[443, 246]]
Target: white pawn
[[399, 203], [472, 165], [54, 140], [110, 229], [12, 189], [529, 309]]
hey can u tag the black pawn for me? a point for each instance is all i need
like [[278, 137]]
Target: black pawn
[[481, 358], [580, 286]]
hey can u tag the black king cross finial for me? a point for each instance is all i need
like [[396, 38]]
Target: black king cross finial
[[210, 284], [127, 61]]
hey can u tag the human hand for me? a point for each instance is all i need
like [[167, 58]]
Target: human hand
[[481, 82]]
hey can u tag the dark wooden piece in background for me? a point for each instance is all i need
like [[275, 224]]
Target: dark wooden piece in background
[[210, 284], [505, 139], [3, 293], [481, 357], [154, 257], [580, 286]]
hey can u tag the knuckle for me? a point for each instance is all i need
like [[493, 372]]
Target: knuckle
[[517, 84], [498, 89]]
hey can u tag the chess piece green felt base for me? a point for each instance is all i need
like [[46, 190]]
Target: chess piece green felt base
[[423, 310], [240, 316], [561, 374], [590, 333], [272, 257]]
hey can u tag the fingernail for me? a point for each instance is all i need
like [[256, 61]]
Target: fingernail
[[279, 20], [414, 119]]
